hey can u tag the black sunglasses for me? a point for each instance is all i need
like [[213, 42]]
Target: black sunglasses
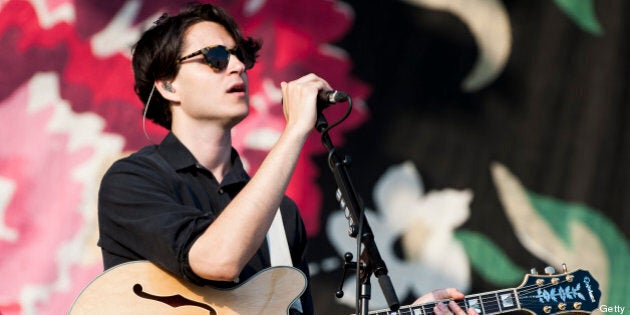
[[218, 57]]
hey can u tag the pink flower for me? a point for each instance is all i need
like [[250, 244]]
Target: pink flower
[[69, 109]]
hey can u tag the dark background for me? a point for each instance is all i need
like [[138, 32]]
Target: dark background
[[558, 116]]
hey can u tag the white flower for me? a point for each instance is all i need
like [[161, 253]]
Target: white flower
[[424, 223]]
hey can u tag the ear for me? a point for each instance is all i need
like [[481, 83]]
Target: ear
[[167, 90]]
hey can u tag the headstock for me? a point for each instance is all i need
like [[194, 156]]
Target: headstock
[[576, 292]]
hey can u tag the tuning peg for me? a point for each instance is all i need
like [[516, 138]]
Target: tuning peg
[[550, 270], [533, 271]]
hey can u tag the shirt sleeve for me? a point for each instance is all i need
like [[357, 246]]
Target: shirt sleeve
[[143, 215]]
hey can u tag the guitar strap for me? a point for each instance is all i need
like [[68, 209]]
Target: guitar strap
[[279, 253]]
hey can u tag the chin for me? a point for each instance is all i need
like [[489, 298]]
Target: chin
[[238, 118]]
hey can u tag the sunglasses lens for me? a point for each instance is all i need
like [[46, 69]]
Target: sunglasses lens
[[217, 57], [246, 61]]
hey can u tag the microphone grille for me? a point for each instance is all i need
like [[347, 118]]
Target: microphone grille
[[337, 96]]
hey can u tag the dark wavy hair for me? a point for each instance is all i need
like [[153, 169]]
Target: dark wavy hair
[[156, 52]]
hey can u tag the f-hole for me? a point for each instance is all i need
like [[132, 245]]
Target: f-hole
[[172, 301]]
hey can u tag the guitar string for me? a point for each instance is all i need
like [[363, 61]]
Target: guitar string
[[523, 290]]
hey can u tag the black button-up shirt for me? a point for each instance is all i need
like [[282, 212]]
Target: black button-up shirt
[[154, 204]]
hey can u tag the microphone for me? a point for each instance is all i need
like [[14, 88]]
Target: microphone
[[324, 100], [327, 98]]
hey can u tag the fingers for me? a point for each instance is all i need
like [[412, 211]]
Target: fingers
[[442, 294], [446, 308], [310, 83], [320, 83], [449, 293], [442, 309], [299, 98], [303, 89]]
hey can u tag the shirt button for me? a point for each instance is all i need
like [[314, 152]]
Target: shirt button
[[221, 192]]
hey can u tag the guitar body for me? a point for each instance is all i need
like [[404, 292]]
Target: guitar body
[[140, 287]]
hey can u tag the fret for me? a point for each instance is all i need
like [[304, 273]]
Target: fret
[[462, 304], [405, 310], [507, 300], [496, 295], [474, 302], [517, 299], [411, 310], [427, 309], [490, 303], [493, 302], [424, 309]]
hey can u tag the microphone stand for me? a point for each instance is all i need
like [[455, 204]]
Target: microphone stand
[[369, 261]]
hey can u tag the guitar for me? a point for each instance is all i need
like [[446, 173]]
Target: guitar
[[142, 288], [575, 292]]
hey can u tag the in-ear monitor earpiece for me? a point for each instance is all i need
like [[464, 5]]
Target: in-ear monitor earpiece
[[169, 87]]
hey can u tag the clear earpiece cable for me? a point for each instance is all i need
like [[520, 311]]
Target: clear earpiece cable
[[144, 116]]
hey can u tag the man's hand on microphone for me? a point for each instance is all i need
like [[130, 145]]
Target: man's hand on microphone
[[299, 98]]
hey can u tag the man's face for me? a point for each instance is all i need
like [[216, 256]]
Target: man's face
[[206, 94]]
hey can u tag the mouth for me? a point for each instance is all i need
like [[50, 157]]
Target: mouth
[[237, 88]]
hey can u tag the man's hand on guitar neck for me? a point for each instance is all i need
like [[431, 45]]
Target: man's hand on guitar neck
[[442, 308]]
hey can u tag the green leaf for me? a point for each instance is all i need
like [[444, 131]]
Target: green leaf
[[489, 260], [561, 213], [582, 12]]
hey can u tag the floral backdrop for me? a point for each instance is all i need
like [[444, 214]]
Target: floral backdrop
[[487, 137]]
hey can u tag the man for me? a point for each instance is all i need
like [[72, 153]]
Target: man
[[187, 205]]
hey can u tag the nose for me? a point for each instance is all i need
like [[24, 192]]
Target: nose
[[235, 64]]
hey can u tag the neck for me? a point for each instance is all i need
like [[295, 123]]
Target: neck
[[487, 303], [211, 146]]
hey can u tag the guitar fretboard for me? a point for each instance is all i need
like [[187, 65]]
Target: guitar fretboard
[[485, 304]]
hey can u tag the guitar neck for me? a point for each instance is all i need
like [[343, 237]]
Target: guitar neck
[[488, 303]]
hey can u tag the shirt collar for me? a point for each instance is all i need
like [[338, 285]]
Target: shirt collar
[[178, 156], [175, 153]]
